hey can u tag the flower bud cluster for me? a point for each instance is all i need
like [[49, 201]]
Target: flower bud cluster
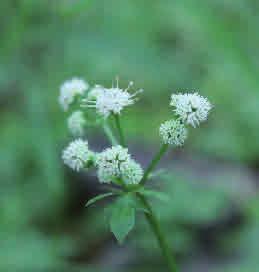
[[77, 155], [190, 109], [76, 123], [113, 164], [116, 165], [70, 89]]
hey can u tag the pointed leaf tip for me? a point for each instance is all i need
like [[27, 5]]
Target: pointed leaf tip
[[122, 219], [97, 198]]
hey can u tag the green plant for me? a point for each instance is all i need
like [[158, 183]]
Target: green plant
[[114, 165]]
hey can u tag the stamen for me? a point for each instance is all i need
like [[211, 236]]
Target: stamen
[[137, 92], [130, 84]]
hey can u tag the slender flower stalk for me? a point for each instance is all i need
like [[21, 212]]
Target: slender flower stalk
[[153, 163], [118, 125], [109, 133]]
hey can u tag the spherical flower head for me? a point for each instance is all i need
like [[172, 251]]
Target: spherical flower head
[[76, 123], [173, 132], [109, 162], [112, 100], [131, 172], [191, 108], [70, 89], [77, 156]]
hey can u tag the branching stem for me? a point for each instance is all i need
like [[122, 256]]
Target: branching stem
[[155, 226], [154, 162], [150, 216]]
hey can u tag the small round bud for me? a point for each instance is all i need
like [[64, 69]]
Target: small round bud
[[192, 108], [77, 155], [76, 123], [69, 89], [173, 132]]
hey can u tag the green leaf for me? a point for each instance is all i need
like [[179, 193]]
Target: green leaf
[[151, 193], [159, 173], [97, 198], [139, 206], [122, 219]]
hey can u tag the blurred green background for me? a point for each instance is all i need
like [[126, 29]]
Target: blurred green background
[[163, 46]]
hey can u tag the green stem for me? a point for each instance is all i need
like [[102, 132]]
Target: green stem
[[154, 162], [155, 226], [150, 216], [109, 133], [118, 125]]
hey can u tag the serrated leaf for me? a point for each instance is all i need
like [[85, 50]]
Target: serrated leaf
[[151, 193], [97, 198], [122, 219]]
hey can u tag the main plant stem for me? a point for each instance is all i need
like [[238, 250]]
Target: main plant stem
[[150, 216], [155, 226]]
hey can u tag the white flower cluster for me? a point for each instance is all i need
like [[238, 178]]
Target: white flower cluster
[[132, 172], [110, 100], [173, 132], [77, 155], [76, 123], [69, 89], [115, 164], [191, 108]]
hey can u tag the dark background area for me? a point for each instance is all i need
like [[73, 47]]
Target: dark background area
[[163, 46]]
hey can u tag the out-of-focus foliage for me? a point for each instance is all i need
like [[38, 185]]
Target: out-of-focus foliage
[[164, 46], [190, 207]]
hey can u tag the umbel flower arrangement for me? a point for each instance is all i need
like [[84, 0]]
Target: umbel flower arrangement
[[115, 167]]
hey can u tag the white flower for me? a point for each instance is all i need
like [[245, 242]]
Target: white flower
[[109, 162], [77, 155], [173, 132], [111, 100], [69, 89], [76, 123], [131, 172], [191, 108]]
